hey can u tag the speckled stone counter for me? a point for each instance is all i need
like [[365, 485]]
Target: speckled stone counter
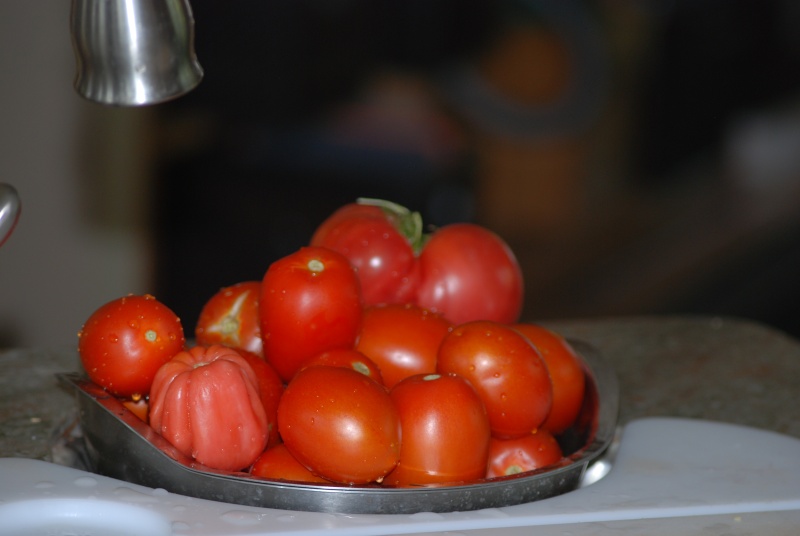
[[723, 369]]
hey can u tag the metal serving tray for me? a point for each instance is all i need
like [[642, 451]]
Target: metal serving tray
[[121, 446]]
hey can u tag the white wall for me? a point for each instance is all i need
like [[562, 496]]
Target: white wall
[[80, 240]]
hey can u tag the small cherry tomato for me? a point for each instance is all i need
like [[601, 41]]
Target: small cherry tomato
[[521, 454], [506, 371], [205, 402], [310, 302], [270, 389], [352, 359], [277, 463], [402, 339], [230, 317], [124, 342], [445, 431], [340, 424], [468, 273], [378, 238], [566, 374]]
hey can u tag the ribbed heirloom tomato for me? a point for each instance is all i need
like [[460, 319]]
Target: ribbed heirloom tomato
[[506, 371], [205, 402], [340, 424], [310, 302], [124, 342]]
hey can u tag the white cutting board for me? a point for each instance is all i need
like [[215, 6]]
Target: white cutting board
[[669, 477]]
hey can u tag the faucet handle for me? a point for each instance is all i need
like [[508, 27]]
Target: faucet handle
[[134, 52]]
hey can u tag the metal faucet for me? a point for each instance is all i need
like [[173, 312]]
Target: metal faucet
[[134, 52]]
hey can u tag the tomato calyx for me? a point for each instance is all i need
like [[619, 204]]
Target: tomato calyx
[[408, 223]]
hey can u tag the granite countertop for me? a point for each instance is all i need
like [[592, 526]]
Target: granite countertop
[[722, 369]]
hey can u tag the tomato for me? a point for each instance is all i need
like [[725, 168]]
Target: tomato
[[352, 359], [566, 373], [340, 424], [310, 302], [270, 389], [445, 431], [230, 317], [378, 240], [469, 273], [402, 339], [205, 402], [124, 342], [139, 407], [520, 454], [506, 371], [277, 463]]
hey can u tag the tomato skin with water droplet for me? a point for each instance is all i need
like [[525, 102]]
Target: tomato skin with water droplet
[[340, 424], [507, 371], [310, 303], [124, 342], [230, 317], [445, 431]]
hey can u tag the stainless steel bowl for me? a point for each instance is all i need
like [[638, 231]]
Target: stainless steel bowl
[[121, 446]]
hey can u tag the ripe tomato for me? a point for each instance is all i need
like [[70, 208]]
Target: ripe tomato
[[379, 241], [445, 431], [277, 463], [270, 389], [352, 359], [230, 317], [205, 402], [124, 342], [506, 371], [140, 407], [520, 454], [340, 424], [566, 373], [469, 273], [310, 302], [402, 339]]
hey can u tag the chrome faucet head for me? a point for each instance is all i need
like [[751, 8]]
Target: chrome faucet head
[[134, 52]]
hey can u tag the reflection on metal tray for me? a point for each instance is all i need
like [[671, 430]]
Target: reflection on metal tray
[[121, 446]]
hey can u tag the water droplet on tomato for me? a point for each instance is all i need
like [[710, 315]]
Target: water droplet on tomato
[[113, 338]]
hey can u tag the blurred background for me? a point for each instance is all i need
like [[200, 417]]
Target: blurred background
[[640, 156]]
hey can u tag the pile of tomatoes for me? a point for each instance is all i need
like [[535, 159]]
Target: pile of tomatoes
[[375, 355]]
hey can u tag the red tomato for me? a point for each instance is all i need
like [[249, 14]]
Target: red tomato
[[402, 339], [277, 463], [124, 342], [445, 431], [310, 302], [230, 317], [468, 273], [140, 407], [340, 424], [566, 374], [205, 402], [520, 454], [352, 359], [270, 389], [376, 241], [506, 370]]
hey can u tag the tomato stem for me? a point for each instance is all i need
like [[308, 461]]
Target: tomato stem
[[408, 223], [316, 266]]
